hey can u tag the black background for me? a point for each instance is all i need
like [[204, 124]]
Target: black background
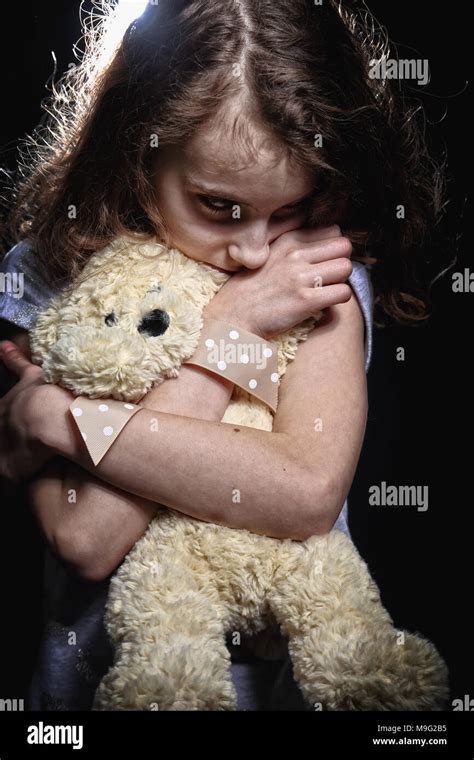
[[420, 423]]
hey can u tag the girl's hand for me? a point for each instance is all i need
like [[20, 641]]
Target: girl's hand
[[305, 272], [22, 453]]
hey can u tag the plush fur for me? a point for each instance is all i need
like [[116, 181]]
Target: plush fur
[[187, 583]]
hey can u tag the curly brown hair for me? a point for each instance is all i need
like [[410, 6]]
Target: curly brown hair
[[304, 72]]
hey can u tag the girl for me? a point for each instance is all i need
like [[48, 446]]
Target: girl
[[247, 134]]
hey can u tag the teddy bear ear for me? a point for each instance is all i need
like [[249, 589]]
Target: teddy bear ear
[[44, 334]]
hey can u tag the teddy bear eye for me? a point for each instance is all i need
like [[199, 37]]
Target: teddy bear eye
[[110, 319]]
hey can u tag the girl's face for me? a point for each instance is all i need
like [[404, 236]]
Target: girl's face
[[223, 210]]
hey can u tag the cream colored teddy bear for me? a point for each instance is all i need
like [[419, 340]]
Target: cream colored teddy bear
[[127, 323]]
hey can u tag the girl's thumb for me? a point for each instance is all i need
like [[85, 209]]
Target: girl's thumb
[[12, 357]]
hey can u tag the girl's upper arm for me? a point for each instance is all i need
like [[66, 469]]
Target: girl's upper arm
[[89, 524], [323, 403]]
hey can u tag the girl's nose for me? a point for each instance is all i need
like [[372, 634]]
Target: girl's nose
[[249, 256], [251, 249]]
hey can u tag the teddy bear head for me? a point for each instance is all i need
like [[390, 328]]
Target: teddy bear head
[[126, 323]]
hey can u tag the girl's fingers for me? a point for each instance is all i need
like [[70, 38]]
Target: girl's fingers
[[328, 296], [304, 237], [324, 250], [13, 359], [329, 272], [308, 235]]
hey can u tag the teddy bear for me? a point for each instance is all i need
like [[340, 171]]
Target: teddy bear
[[124, 325]]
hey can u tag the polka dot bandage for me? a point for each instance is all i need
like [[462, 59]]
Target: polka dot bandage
[[240, 356], [100, 422]]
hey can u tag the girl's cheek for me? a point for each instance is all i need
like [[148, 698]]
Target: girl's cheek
[[198, 240]]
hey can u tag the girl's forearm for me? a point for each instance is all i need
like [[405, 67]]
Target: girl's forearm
[[196, 392], [228, 474], [90, 523]]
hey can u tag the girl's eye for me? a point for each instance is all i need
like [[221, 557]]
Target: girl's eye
[[217, 206]]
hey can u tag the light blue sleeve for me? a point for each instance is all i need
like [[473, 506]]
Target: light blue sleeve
[[24, 290], [362, 286]]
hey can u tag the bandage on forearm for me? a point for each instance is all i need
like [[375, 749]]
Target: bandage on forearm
[[246, 359], [100, 422], [237, 355]]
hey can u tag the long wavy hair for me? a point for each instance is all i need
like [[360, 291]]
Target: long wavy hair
[[86, 173]]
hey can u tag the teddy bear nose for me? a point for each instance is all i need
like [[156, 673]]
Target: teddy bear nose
[[154, 323]]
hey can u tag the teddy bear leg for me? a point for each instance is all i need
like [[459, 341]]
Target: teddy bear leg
[[345, 651], [169, 633]]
